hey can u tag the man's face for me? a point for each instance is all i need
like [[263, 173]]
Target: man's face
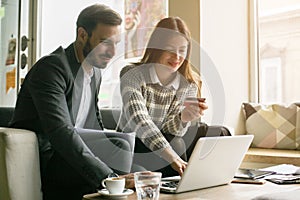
[[100, 47]]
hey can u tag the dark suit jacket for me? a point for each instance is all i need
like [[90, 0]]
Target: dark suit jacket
[[48, 103]]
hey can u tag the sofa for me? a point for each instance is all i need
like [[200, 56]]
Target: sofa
[[19, 155]]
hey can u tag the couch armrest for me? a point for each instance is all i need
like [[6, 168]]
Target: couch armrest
[[19, 165]]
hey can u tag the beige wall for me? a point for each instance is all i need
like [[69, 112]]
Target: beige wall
[[189, 11], [224, 37]]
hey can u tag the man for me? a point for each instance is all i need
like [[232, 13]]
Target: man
[[59, 95]]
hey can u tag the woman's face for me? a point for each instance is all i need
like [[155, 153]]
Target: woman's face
[[174, 53]]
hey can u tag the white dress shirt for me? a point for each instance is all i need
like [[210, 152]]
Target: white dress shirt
[[86, 97], [174, 84]]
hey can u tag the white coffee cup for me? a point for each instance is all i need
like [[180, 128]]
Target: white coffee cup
[[114, 185]]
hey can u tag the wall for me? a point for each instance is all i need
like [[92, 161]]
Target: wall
[[189, 11], [8, 30], [224, 55], [181, 8], [224, 37]]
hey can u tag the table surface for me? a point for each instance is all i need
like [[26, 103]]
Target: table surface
[[233, 191]]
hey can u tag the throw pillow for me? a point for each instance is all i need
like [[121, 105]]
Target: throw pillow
[[273, 126]]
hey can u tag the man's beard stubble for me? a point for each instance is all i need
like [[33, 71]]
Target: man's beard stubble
[[90, 57]]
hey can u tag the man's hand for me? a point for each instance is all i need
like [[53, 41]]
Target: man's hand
[[129, 180]]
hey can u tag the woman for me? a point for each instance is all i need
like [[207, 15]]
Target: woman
[[153, 93]]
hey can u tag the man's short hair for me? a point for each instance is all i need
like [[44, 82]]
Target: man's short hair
[[95, 14]]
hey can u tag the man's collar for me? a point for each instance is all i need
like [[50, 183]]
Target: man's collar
[[75, 51], [87, 68]]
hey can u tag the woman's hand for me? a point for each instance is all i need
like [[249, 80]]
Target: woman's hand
[[179, 165], [192, 111]]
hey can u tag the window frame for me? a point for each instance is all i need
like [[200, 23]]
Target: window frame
[[254, 93]]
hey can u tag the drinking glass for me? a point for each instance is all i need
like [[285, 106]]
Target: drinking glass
[[147, 185]]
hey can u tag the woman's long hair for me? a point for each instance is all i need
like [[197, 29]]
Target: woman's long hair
[[166, 28]]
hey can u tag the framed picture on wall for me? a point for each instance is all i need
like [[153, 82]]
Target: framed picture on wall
[[141, 16]]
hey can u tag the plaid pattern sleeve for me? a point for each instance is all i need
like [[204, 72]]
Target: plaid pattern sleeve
[[172, 123], [150, 109]]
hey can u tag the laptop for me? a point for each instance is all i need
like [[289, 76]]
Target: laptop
[[214, 162]]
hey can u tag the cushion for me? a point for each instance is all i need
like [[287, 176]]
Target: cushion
[[274, 125]]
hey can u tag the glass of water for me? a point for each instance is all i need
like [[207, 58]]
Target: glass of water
[[147, 185]]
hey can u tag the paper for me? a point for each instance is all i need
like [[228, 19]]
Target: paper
[[10, 80], [283, 169], [12, 45]]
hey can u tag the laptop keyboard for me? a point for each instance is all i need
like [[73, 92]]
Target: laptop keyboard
[[171, 184]]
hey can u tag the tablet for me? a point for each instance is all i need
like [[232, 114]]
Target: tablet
[[251, 173]]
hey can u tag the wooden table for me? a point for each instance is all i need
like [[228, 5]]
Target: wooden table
[[233, 191]]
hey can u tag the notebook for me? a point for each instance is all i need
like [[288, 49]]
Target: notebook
[[214, 162]]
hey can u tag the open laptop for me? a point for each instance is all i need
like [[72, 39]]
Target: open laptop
[[214, 162]]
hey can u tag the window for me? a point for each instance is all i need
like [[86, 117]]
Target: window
[[275, 50], [150, 13], [271, 80]]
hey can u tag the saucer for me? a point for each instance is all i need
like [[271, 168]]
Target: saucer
[[125, 193]]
